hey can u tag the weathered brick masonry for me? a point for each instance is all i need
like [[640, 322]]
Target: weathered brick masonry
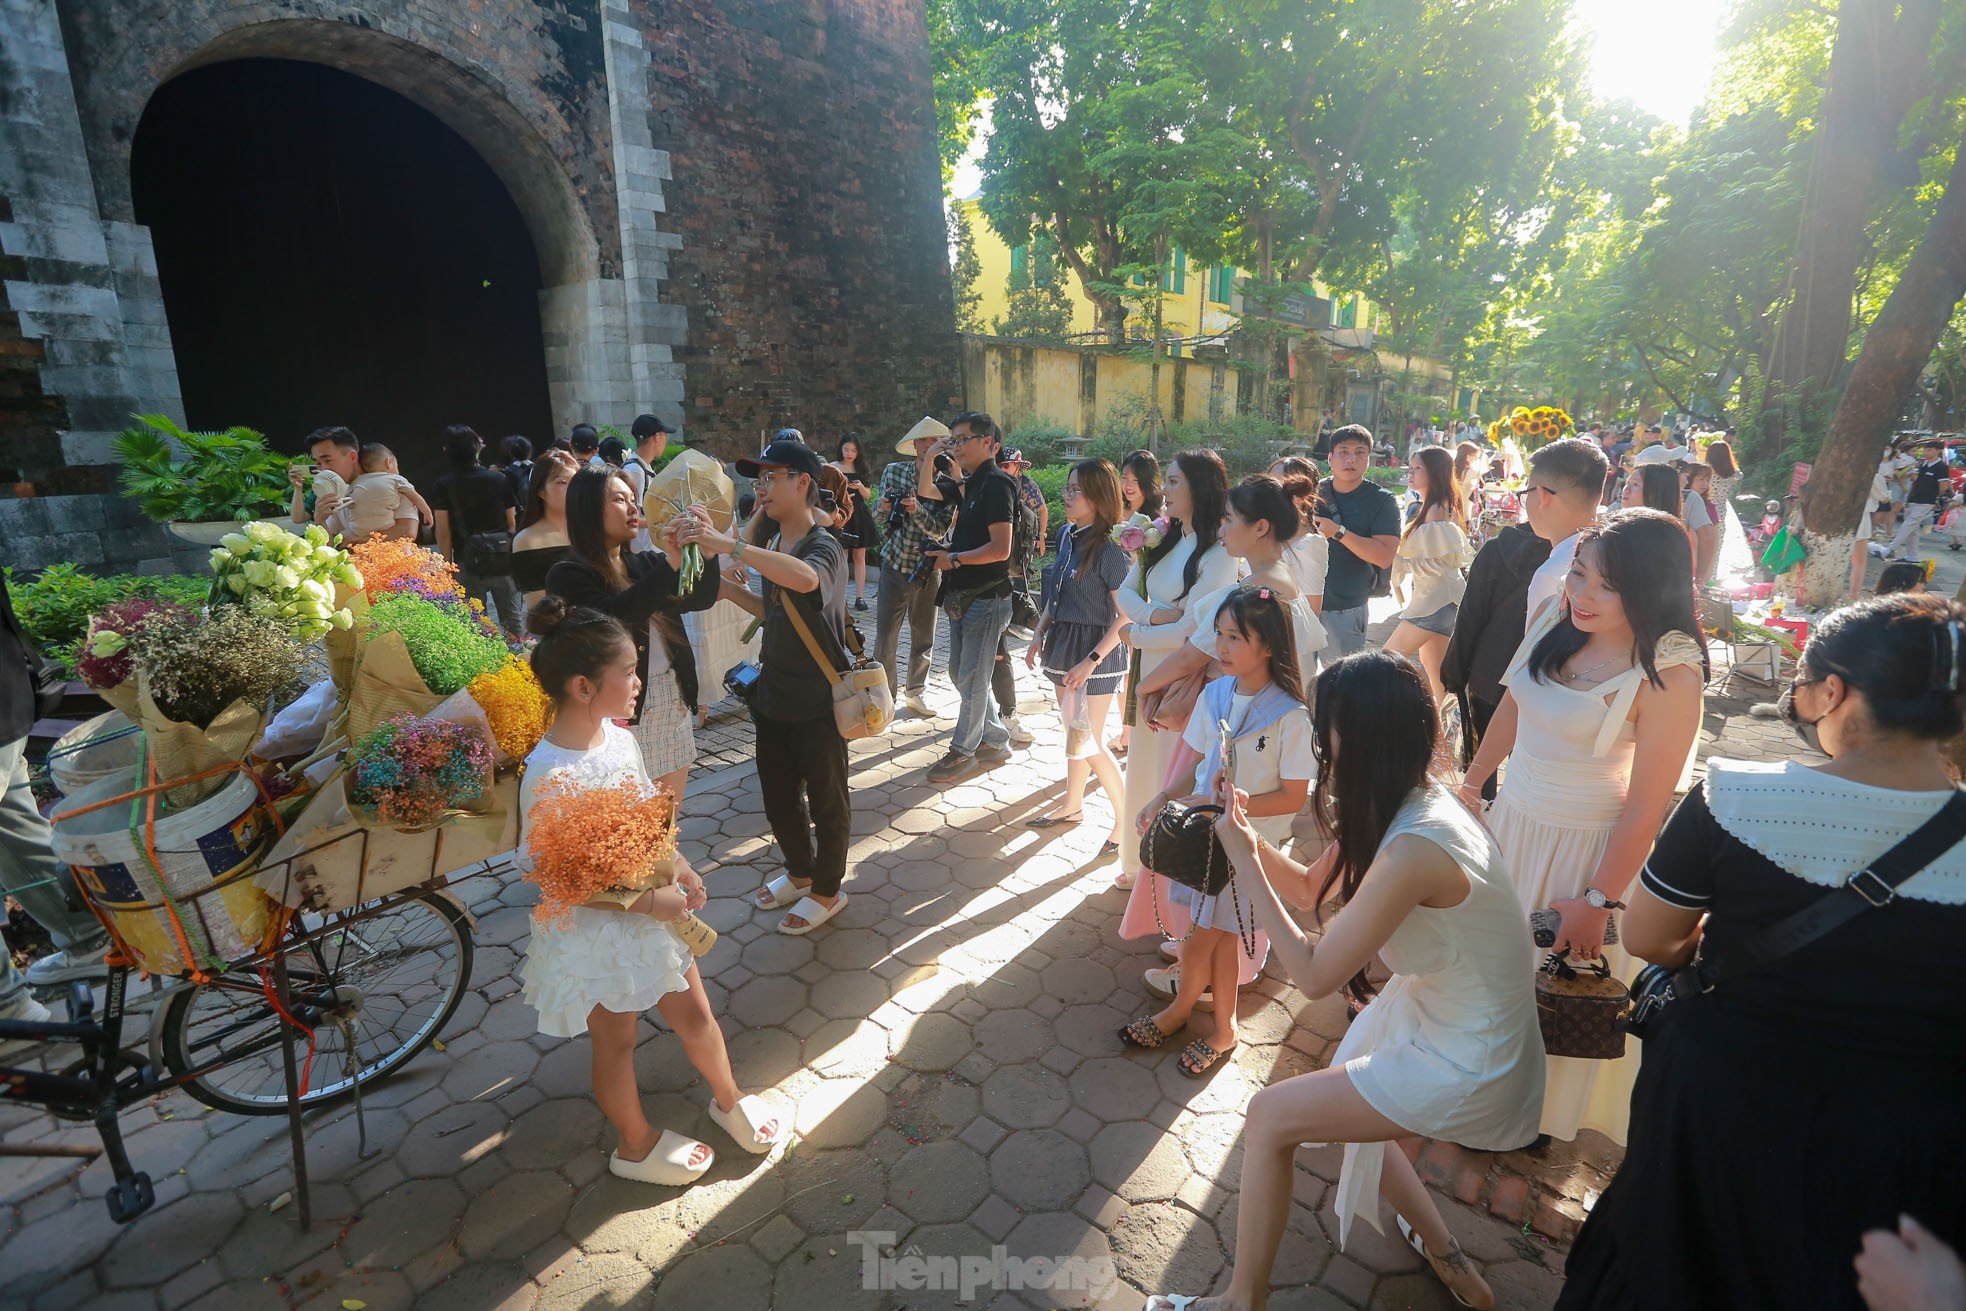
[[735, 206]]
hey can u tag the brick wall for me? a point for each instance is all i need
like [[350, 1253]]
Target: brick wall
[[806, 191]]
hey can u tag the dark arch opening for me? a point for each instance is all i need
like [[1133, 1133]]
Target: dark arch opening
[[332, 253]]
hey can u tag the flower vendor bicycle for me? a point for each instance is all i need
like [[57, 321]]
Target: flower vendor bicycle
[[366, 988]]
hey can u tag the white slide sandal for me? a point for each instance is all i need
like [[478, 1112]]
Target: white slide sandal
[[779, 893], [1170, 1302], [745, 1121], [667, 1164], [814, 913]]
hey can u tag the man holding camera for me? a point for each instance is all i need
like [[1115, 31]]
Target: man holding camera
[[914, 516], [975, 569]]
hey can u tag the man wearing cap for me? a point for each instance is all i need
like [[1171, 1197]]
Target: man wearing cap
[[801, 757], [913, 512], [651, 439], [976, 595]]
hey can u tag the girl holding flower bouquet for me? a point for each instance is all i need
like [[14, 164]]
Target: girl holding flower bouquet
[[596, 968]]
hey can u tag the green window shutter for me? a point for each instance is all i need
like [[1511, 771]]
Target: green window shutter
[[1222, 284], [1179, 269], [1348, 318], [1020, 262]]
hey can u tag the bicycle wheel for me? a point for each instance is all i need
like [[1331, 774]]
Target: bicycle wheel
[[375, 987]]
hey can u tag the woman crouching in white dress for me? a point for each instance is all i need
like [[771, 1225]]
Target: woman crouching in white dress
[[1449, 1048]]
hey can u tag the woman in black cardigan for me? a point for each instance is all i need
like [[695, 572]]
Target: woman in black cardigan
[[642, 589]]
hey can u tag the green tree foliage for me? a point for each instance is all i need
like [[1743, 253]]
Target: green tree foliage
[[966, 272], [1038, 309]]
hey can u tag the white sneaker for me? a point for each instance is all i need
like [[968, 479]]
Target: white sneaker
[[25, 1008], [1020, 736], [916, 705], [63, 966]]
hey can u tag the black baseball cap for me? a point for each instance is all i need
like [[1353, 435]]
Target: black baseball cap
[[783, 453], [647, 425]]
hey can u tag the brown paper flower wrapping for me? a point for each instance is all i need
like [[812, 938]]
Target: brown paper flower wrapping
[[692, 478], [386, 684], [345, 644], [180, 749]]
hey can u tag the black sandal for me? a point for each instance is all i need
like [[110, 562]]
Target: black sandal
[[1143, 1033], [1192, 1062], [1055, 821]]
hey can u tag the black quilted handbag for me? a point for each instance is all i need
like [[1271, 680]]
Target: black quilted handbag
[[1181, 845]]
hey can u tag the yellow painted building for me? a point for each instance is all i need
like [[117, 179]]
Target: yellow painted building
[[1200, 300]]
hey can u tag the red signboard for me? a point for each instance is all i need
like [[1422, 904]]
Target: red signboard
[[1799, 477]]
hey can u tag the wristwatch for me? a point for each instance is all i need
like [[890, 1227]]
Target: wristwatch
[[1339, 536], [1598, 901]]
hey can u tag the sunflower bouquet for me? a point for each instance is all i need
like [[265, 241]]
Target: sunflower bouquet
[[1543, 424]]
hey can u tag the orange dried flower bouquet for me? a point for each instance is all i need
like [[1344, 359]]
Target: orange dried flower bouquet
[[589, 841]]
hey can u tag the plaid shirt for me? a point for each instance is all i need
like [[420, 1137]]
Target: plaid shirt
[[901, 551]]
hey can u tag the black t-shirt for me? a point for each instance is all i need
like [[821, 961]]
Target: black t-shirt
[[518, 477], [477, 497], [793, 688], [1925, 484], [1368, 510], [989, 497], [1828, 991]]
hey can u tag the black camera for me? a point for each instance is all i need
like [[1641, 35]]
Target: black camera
[[925, 567], [741, 681]]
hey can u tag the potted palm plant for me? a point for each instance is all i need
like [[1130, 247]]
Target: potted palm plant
[[200, 485]]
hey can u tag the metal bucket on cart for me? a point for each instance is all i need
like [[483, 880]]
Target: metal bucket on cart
[[195, 905]]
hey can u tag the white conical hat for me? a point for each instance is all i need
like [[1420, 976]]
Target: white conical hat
[[926, 430]]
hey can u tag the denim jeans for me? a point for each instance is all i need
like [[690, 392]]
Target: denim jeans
[[1346, 628], [31, 875], [972, 656]]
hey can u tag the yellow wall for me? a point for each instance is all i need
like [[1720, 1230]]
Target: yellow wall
[[1186, 314], [1018, 383]]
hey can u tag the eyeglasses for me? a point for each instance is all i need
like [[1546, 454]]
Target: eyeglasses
[[968, 437]]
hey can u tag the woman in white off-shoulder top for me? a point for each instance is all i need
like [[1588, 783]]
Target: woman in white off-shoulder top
[[1433, 554], [1161, 601]]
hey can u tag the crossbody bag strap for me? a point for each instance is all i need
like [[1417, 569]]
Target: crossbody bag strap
[[1873, 886], [805, 635]]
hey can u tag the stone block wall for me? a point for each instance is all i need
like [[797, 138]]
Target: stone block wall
[[104, 534], [813, 261]]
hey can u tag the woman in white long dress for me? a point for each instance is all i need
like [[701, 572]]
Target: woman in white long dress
[[1449, 1048], [1161, 604], [1598, 725]]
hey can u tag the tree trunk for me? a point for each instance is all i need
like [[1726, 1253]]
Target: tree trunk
[[1895, 350], [1878, 69]]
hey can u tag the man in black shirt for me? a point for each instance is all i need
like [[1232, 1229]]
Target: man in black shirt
[[976, 596], [1922, 503], [475, 522], [801, 757]]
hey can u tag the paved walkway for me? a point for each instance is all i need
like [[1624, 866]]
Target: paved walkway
[[947, 1048]]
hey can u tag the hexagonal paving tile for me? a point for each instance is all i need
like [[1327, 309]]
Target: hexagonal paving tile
[[1161, 1246], [1039, 1169], [1025, 1096], [931, 1042], [939, 1182], [1139, 1161]]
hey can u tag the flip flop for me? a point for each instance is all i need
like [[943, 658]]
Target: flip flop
[[779, 893], [1142, 1033], [1124, 880], [746, 1120], [667, 1164], [1169, 1301], [814, 914], [1191, 1056]]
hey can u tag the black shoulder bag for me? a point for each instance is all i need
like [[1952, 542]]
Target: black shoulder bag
[[486, 554], [1874, 886]]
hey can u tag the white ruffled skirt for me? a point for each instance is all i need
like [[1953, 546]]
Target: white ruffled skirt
[[625, 963]]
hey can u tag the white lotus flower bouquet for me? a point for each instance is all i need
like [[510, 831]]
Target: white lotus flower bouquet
[[286, 576]]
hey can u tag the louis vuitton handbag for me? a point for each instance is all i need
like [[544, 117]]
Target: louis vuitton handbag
[[1578, 1007]]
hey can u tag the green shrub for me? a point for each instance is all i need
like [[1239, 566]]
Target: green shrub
[[55, 606], [224, 475], [1041, 440]]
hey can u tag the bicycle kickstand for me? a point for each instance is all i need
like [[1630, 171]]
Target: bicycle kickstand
[[131, 1194]]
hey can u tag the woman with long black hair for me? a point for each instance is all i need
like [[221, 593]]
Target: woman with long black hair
[[643, 589], [860, 526], [1449, 1047], [1789, 1109], [1160, 600], [1434, 551], [1140, 493], [1598, 726]]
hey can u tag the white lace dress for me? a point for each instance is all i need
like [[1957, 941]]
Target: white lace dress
[[621, 962]]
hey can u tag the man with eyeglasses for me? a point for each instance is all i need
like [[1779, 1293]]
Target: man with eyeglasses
[[976, 596], [1566, 483]]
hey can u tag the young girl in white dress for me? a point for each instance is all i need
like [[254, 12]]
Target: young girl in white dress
[[1161, 601], [599, 967], [1449, 1048], [1261, 698], [1433, 553], [1598, 726]]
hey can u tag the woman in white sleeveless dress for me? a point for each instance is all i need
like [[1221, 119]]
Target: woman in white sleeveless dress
[[1449, 1047], [1162, 614], [1598, 727]]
